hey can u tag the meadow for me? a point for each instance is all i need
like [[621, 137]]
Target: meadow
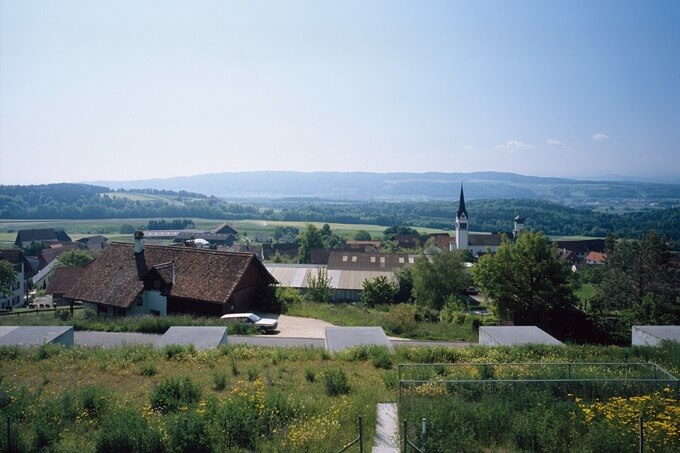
[[241, 398], [111, 227]]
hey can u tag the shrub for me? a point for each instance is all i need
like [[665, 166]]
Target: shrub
[[380, 357], [94, 400], [219, 380], [48, 350], [378, 291], [336, 382], [173, 393], [238, 423], [188, 433], [402, 318], [147, 369], [253, 373], [125, 430], [287, 297], [310, 376], [177, 351]]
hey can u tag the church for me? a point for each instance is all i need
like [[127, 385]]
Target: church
[[478, 243]]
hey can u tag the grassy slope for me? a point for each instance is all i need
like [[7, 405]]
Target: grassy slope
[[329, 422]]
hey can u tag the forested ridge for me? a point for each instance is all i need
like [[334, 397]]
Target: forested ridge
[[80, 201]]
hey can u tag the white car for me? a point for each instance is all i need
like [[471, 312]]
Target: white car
[[265, 324]]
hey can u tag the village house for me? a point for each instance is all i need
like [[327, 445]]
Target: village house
[[596, 258], [45, 235], [63, 279], [17, 298], [129, 279], [95, 243]]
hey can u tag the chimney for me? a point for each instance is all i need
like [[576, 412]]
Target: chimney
[[139, 241]]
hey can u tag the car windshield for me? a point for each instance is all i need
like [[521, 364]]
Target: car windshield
[[254, 318]]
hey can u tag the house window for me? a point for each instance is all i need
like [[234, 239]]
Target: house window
[[401, 260], [373, 259], [354, 259], [344, 258], [382, 260], [140, 301], [154, 312], [156, 284]]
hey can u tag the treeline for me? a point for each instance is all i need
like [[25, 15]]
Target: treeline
[[180, 193], [80, 201]]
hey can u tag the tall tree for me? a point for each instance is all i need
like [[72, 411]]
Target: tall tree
[[441, 276], [526, 280], [639, 282], [8, 278], [310, 238], [74, 258]]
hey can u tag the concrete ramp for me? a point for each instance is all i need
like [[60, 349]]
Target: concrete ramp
[[36, 335], [341, 338], [514, 335], [386, 429], [200, 337]]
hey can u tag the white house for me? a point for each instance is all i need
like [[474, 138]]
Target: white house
[[24, 271]]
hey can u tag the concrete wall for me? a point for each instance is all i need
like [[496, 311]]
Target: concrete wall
[[653, 335], [486, 339]]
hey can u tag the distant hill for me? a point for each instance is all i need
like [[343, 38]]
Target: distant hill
[[408, 186]]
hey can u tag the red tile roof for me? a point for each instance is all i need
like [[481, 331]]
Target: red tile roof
[[63, 279], [115, 277]]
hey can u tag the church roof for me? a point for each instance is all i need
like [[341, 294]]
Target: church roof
[[461, 204]]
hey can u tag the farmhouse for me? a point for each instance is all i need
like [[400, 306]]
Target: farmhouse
[[24, 271], [131, 279], [46, 235]]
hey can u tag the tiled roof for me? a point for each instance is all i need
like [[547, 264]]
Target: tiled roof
[[225, 228], [15, 256], [583, 247], [48, 255], [356, 260], [596, 257], [114, 278], [63, 279], [482, 239], [42, 234]]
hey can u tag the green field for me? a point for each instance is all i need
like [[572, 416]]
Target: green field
[[110, 227]]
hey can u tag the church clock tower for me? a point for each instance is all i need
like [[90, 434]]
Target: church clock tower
[[461, 223]]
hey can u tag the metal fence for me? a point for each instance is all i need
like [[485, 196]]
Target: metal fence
[[571, 376]]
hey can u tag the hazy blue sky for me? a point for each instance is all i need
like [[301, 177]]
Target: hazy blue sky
[[124, 90]]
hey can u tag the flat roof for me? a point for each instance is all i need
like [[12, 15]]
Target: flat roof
[[341, 338], [661, 332], [201, 337], [36, 335], [516, 335]]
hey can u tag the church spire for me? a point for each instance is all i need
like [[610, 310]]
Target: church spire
[[461, 204]]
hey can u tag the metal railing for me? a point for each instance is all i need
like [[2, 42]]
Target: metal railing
[[568, 373], [359, 439]]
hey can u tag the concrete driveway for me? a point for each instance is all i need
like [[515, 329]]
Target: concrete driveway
[[298, 327]]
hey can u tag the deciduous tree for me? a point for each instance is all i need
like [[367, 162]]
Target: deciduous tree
[[526, 280], [437, 278]]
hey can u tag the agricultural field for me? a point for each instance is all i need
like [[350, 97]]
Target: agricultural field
[[241, 398], [111, 227]]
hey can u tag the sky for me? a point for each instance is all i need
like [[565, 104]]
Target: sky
[[120, 90]]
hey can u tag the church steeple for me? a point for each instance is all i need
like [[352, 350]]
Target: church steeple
[[461, 204], [461, 223]]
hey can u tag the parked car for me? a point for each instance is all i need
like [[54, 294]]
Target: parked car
[[265, 324]]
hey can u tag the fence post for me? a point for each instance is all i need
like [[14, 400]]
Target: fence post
[[569, 370], [361, 436], [424, 432], [405, 437], [641, 446], [9, 434]]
